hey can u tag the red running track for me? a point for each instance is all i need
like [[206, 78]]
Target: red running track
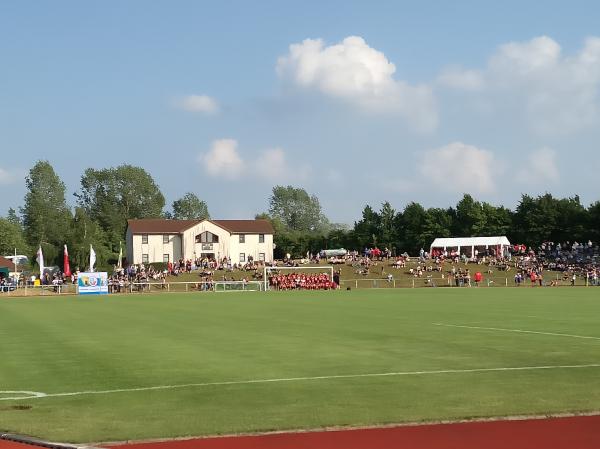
[[579, 432]]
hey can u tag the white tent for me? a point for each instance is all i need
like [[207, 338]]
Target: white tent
[[497, 243]]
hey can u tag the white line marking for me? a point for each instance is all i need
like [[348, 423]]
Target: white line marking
[[299, 379], [29, 395], [521, 331]]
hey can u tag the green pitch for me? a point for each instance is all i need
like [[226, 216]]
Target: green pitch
[[265, 361]]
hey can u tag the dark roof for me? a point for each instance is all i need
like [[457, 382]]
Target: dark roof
[[5, 263], [246, 226], [159, 226], [162, 226]]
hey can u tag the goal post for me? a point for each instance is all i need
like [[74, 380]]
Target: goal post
[[303, 269], [237, 286]]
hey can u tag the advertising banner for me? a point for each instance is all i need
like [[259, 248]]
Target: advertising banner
[[92, 283]]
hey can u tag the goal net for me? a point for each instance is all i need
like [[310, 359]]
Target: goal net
[[288, 278], [238, 286]]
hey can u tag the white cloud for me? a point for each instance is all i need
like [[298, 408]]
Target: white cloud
[[223, 159], [459, 78], [534, 81], [460, 167], [6, 177], [355, 72], [540, 168], [198, 103]]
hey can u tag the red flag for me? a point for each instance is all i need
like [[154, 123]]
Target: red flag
[[67, 267]]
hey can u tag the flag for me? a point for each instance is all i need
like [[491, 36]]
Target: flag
[[92, 258], [66, 265], [40, 261], [120, 262]]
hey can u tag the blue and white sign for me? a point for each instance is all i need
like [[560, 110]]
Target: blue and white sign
[[92, 283]]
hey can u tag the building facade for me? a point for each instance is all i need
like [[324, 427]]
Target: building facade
[[158, 240]]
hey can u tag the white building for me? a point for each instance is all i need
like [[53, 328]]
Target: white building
[[158, 240]]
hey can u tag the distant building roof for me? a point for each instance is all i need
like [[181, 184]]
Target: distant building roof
[[160, 226], [163, 226], [5, 263], [245, 226]]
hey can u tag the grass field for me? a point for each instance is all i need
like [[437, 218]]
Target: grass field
[[292, 345]]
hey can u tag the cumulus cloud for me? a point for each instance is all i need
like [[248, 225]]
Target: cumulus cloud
[[198, 103], [554, 93], [460, 167], [355, 72], [223, 159], [459, 78], [540, 168]]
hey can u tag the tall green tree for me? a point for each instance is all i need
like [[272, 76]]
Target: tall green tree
[[413, 223], [297, 210], [470, 217], [111, 196], [85, 232], [535, 219], [389, 232], [45, 213], [190, 207], [12, 237], [593, 224], [368, 229]]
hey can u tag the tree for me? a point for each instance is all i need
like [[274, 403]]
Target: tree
[[413, 222], [388, 231], [190, 207], [83, 233], [45, 213], [594, 221], [12, 237], [111, 196], [470, 217], [297, 210], [438, 223], [367, 230]]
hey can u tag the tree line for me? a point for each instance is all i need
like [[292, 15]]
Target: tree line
[[109, 197]]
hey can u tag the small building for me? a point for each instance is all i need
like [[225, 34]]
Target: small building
[[6, 267], [159, 240], [468, 245]]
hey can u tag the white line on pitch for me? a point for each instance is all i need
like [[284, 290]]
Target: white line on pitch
[[521, 331], [300, 379]]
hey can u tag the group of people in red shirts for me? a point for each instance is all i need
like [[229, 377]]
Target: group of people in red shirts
[[302, 281]]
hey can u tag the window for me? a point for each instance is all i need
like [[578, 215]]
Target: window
[[145, 258], [165, 258], [242, 257], [242, 238], [261, 257], [166, 238], [144, 239], [207, 237], [261, 238]]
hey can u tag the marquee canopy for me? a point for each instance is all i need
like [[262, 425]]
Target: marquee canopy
[[458, 242]]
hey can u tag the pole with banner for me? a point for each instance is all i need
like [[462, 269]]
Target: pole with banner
[[40, 261], [92, 258], [66, 265]]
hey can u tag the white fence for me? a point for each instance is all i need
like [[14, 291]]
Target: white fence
[[226, 286]]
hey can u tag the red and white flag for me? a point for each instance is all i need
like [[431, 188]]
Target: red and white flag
[[66, 265]]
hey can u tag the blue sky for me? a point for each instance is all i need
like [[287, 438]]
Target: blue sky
[[358, 102]]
